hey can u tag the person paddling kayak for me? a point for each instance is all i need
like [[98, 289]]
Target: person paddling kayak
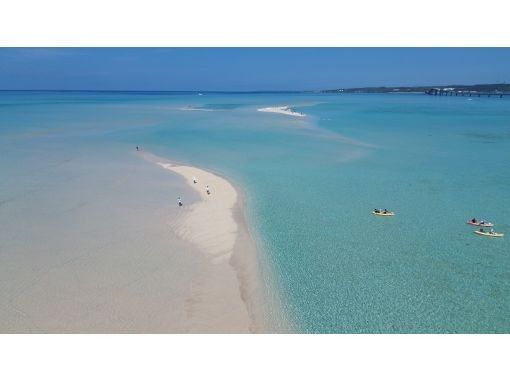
[[385, 212]]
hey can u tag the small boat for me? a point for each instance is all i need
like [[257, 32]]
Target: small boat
[[489, 234], [480, 224], [383, 213]]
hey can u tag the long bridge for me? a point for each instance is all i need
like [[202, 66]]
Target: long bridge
[[451, 92]]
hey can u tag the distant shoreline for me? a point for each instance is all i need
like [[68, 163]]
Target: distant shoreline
[[475, 88]]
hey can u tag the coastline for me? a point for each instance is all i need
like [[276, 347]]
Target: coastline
[[229, 296]]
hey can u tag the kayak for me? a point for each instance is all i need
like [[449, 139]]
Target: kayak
[[382, 213], [489, 234], [478, 224]]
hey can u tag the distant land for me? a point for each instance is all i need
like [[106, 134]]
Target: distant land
[[475, 88]]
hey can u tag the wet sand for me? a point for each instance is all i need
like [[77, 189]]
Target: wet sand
[[96, 243]]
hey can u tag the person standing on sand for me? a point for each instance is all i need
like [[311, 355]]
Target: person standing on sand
[[195, 180], [179, 201], [207, 190], [137, 148]]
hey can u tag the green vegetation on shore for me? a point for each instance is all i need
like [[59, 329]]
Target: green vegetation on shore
[[483, 88]]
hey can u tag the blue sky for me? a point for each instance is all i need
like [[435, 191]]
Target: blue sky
[[245, 69]]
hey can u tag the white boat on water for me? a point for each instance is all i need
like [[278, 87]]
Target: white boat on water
[[489, 233]]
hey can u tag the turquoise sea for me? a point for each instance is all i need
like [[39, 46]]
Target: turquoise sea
[[311, 184]]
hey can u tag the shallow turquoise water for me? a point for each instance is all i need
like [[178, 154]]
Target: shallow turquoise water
[[311, 185]]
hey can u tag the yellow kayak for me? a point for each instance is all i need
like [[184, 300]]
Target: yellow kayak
[[382, 213], [489, 234]]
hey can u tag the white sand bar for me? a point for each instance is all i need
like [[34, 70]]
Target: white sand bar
[[284, 110], [209, 224], [215, 302], [227, 297]]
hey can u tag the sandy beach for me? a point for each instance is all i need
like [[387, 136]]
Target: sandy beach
[[284, 110], [108, 250], [227, 297]]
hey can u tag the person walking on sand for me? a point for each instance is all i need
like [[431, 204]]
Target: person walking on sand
[[207, 190], [179, 201], [195, 180], [137, 148]]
